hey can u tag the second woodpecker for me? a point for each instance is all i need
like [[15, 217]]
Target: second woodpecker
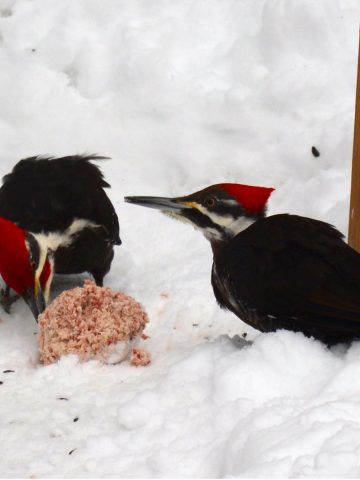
[[61, 202], [277, 272]]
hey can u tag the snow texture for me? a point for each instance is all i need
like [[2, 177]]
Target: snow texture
[[182, 94]]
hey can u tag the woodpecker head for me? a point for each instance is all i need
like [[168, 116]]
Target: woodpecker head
[[24, 267], [220, 211]]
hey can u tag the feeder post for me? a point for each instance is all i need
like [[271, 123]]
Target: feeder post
[[354, 214]]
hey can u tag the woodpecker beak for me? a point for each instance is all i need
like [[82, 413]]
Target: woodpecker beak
[[35, 300], [37, 286], [160, 203]]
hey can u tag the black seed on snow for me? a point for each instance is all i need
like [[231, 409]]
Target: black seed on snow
[[76, 419], [9, 371], [63, 398], [1, 382], [72, 451], [315, 152], [244, 335]]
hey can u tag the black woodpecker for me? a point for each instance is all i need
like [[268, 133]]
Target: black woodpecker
[[61, 202], [277, 272]]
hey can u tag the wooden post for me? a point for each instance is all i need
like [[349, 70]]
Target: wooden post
[[354, 215]]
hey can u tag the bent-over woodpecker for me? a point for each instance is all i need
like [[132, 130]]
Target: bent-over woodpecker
[[277, 272], [61, 202], [22, 266]]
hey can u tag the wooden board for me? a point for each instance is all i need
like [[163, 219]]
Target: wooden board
[[354, 214]]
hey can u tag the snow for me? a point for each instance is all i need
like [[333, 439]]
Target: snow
[[181, 95]]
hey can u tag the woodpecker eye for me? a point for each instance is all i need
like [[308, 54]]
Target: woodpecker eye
[[210, 202]]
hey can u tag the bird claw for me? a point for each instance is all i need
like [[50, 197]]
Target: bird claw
[[6, 300], [239, 342]]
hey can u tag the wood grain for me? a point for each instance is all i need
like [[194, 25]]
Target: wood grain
[[354, 214]]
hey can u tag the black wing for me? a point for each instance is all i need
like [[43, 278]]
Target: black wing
[[48, 193], [295, 273]]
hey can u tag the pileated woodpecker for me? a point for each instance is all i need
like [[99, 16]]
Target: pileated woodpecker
[[22, 266], [61, 202], [277, 272]]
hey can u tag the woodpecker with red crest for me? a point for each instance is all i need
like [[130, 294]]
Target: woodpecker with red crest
[[277, 272], [62, 205], [22, 267]]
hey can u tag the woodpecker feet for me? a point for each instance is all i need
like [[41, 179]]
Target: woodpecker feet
[[239, 342], [6, 300]]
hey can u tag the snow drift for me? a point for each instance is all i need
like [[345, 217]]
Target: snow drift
[[181, 95]]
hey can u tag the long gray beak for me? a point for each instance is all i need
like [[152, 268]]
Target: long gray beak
[[160, 203], [36, 303]]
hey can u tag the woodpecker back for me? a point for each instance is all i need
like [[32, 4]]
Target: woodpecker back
[[62, 202]]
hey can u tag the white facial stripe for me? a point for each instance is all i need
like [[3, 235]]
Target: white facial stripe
[[221, 220], [233, 225], [42, 260], [240, 224], [53, 240], [212, 234], [230, 202], [49, 280], [79, 224]]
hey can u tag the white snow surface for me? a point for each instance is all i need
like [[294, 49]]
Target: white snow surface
[[183, 94]]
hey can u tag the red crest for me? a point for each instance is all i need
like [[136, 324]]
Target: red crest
[[15, 265], [253, 199]]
